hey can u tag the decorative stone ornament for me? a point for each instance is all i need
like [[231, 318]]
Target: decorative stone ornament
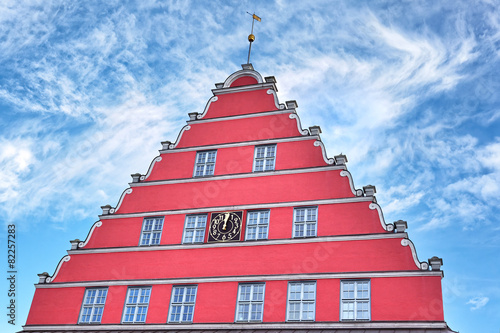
[[165, 145], [436, 263], [106, 209], [369, 190], [291, 104], [270, 79], [340, 159], [192, 115], [401, 226], [43, 277], [136, 177], [74, 244], [315, 130]]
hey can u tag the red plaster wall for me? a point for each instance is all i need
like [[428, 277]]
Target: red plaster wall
[[229, 192], [239, 130], [291, 155], [411, 298], [244, 81], [241, 103], [216, 302], [55, 306], [333, 219], [115, 302], [159, 303], [345, 256]]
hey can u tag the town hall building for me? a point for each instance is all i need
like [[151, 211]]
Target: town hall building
[[243, 224]]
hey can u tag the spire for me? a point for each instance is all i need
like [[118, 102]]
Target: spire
[[251, 37]]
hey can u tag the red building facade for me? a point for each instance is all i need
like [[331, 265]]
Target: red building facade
[[243, 223]]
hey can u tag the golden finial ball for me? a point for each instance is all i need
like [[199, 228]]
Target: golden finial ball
[[251, 38]]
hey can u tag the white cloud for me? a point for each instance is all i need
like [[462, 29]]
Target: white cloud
[[478, 302]]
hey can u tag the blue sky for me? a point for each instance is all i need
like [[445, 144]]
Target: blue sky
[[407, 90]]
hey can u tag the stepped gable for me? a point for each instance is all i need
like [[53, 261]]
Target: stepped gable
[[244, 203]]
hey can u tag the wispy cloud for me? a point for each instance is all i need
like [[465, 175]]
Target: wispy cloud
[[478, 302]]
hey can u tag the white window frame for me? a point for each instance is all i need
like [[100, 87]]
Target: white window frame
[[302, 302], [136, 302], [195, 230], [263, 217], [356, 300], [253, 304], [302, 226], [205, 166], [184, 304], [265, 158], [93, 303], [151, 232]]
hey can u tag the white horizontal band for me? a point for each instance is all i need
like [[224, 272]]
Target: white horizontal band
[[284, 241], [239, 176], [238, 207], [243, 278], [240, 144]]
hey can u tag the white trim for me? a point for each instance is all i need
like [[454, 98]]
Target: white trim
[[173, 145], [265, 242], [96, 225], [210, 101], [276, 100], [250, 87], [319, 143], [420, 264], [243, 279], [243, 326], [242, 73], [155, 160], [356, 192], [240, 144], [387, 226], [113, 210], [299, 126], [241, 116], [62, 261], [239, 175], [238, 207]]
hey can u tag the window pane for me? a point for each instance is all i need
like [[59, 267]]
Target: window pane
[[250, 302], [355, 300], [205, 163], [182, 304]]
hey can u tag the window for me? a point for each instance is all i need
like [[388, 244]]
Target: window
[[301, 301], [264, 158], [205, 163], [93, 305], [194, 229], [257, 225], [136, 305], [250, 303], [304, 222], [355, 302], [151, 231], [182, 304]]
